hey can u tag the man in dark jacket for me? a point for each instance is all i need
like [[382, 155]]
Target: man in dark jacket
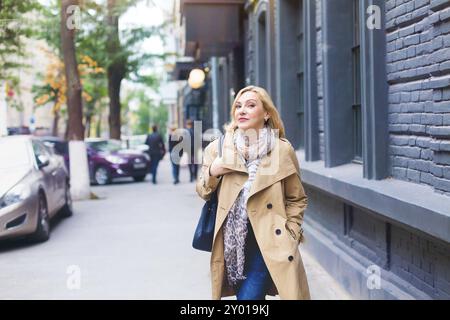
[[157, 150]]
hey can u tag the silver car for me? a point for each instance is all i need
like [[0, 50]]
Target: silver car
[[34, 186]]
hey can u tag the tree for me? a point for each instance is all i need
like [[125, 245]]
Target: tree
[[74, 90], [54, 87], [79, 171], [122, 61]]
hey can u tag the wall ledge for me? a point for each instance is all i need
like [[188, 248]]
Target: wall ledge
[[411, 204]]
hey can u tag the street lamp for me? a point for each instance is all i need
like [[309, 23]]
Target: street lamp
[[196, 78]]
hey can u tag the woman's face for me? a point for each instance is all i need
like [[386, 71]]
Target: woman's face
[[249, 112]]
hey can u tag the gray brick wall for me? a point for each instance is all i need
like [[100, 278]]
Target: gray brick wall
[[418, 65], [421, 261]]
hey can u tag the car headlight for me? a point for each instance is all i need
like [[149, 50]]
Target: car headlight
[[17, 194], [115, 159]]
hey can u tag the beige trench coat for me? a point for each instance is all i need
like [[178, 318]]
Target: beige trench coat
[[276, 204]]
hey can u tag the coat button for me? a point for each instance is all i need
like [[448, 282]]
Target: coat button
[[290, 258], [269, 206], [278, 231]]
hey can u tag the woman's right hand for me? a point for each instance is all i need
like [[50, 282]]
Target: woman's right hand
[[216, 169]]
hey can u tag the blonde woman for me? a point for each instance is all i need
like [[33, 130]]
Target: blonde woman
[[261, 204]]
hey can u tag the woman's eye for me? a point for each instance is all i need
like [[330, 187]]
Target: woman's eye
[[251, 105]]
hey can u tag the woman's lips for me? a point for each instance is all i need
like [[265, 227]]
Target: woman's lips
[[242, 119]]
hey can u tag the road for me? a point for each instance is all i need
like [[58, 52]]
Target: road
[[134, 242]]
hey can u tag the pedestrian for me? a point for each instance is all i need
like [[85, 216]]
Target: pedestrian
[[261, 205], [157, 150], [175, 157], [192, 164]]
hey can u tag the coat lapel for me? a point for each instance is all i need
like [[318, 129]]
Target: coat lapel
[[273, 168]]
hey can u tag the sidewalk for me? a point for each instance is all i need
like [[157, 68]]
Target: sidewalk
[[134, 242]]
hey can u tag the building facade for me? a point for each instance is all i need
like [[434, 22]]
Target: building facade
[[363, 87]]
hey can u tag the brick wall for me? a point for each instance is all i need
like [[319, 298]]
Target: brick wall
[[418, 65]]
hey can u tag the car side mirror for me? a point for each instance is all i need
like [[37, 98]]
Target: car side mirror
[[42, 161]]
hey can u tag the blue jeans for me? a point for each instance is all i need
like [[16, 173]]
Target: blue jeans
[[154, 168], [175, 171], [257, 281]]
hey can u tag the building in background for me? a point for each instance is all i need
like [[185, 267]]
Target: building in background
[[363, 88], [22, 111]]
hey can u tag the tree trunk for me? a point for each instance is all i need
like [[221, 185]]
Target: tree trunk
[[114, 83], [74, 100], [55, 123], [88, 125], [98, 128], [79, 171], [116, 70]]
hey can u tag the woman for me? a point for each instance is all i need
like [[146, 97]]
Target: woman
[[261, 205]]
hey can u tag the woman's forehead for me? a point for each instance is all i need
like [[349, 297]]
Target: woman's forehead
[[247, 96]]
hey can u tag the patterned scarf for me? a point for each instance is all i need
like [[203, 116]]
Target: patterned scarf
[[235, 227]]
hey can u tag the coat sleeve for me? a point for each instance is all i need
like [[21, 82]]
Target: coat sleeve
[[207, 184], [296, 200]]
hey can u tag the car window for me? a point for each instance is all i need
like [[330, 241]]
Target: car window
[[105, 146], [40, 150]]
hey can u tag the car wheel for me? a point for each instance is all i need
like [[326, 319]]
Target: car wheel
[[102, 176], [42, 232], [139, 178], [67, 210]]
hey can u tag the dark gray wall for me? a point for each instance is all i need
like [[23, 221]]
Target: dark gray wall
[[418, 65]]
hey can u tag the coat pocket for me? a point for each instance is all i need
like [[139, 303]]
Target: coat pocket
[[283, 237]]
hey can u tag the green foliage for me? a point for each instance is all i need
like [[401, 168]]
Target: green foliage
[[14, 27], [144, 114]]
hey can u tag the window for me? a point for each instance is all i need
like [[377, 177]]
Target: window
[[356, 80], [355, 88], [301, 71], [262, 51]]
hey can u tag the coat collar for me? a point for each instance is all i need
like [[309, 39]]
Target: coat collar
[[274, 166]]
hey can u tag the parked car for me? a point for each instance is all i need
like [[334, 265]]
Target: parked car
[[109, 160], [18, 130], [135, 142], [34, 187]]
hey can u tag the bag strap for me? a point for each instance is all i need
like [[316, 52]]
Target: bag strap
[[221, 144]]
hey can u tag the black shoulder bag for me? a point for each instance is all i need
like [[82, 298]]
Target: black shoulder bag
[[204, 233]]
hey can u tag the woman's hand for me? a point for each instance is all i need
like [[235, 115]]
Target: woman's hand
[[217, 168]]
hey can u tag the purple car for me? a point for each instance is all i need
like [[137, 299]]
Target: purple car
[[108, 160]]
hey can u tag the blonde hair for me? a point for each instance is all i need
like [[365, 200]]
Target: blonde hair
[[274, 122]]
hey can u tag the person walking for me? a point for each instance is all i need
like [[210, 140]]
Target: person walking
[[261, 204], [175, 157], [157, 150], [192, 152]]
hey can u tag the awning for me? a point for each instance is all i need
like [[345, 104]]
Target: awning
[[213, 27]]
